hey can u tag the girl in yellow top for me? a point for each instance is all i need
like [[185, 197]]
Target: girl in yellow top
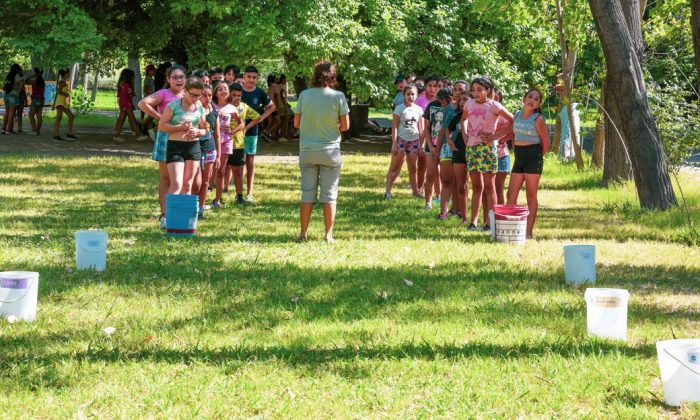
[[62, 105]]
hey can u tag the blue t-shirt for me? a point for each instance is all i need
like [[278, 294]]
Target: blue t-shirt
[[258, 100]]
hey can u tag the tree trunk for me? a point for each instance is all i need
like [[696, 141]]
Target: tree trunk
[[625, 74], [695, 25], [568, 59], [86, 79], [556, 137], [95, 84], [135, 65], [617, 166], [74, 73], [599, 140]]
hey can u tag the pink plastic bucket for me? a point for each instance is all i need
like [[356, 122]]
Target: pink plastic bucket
[[510, 223]]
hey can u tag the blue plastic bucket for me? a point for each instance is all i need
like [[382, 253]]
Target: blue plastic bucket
[[579, 264], [91, 250], [181, 214]]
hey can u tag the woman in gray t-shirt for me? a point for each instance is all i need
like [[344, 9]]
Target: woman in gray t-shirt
[[321, 114]]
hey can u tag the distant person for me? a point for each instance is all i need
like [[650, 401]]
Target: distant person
[[238, 129], [210, 147], [322, 113], [62, 106], [12, 87], [406, 130], [460, 190], [270, 133], [224, 109], [36, 106], [149, 87], [531, 144], [202, 75], [216, 74], [257, 99], [284, 110], [160, 80], [231, 73], [125, 99], [399, 83], [19, 112]]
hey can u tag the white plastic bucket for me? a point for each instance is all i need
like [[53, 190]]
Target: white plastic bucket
[[509, 224], [18, 294], [679, 363], [579, 264], [91, 250], [606, 312]]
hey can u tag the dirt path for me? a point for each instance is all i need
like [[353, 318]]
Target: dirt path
[[96, 142]]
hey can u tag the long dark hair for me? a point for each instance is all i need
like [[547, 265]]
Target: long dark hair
[[126, 76], [324, 74], [39, 80], [539, 108], [14, 70]]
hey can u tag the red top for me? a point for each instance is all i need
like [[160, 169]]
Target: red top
[[124, 95]]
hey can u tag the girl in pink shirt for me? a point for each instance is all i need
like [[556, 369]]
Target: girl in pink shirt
[[480, 116]]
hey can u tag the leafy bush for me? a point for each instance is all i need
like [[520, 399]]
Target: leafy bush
[[81, 104]]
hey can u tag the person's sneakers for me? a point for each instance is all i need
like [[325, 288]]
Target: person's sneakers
[[206, 207], [436, 201], [58, 138], [419, 194], [249, 199], [200, 213], [152, 134], [388, 196], [119, 139], [486, 228], [472, 227], [428, 206], [442, 216], [142, 138], [239, 200], [71, 137], [163, 224], [264, 137], [216, 205]]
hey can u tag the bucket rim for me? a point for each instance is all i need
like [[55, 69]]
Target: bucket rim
[[679, 343], [606, 292], [90, 232], [574, 246], [18, 274]]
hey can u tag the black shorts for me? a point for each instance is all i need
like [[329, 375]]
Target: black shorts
[[236, 158], [528, 159], [180, 151], [459, 156]]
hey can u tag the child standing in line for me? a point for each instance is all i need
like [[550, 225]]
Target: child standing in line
[[224, 109], [433, 122], [125, 98], [480, 116], [445, 152], [62, 106], [149, 87], [210, 146], [459, 159], [238, 129], [406, 131], [531, 144]]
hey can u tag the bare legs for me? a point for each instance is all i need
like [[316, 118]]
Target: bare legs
[[36, 112], [125, 114], [328, 219], [460, 189], [249, 172], [394, 169], [432, 178], [447, 181], [59, 115], [182, 176], [163, 185], [220, 175], [531, 182]]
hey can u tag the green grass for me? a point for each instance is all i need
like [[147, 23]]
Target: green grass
[[240, 321]]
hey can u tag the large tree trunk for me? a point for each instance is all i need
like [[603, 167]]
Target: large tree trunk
[[556, 137], [626, 79], [617, 166], [135, 65], [86, 79], [74, 74], [599, 140], [695, 25]]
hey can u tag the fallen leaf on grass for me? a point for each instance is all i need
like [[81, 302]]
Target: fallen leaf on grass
[[408, 282], [46, 237], [431, 265], [11, 319], [69, 270], [383, 295]]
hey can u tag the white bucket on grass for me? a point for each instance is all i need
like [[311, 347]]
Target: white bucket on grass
[[606, 313], [679, 363], [18, 294], [91, 250], [579, 264]]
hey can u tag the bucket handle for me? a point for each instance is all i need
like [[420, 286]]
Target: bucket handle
[[90, 251], [682, 363], [23, 295]]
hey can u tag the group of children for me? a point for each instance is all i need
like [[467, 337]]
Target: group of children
[[15, 98], [451, 134], [207, 131]]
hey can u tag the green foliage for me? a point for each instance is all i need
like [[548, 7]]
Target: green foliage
[[81, 104]]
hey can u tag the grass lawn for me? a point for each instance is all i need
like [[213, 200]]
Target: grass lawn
[[405, 316]]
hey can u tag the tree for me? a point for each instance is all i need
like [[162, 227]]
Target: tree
[[695, 26], [625, 73]]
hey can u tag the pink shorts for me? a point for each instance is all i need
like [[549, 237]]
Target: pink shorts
[[227, 147]]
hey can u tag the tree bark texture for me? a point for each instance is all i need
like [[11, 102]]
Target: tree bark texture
[[556, 137], [626, 81], [695, 26], [95, 85], [86, 79], [135, 65], [599, 140], [617, 166]]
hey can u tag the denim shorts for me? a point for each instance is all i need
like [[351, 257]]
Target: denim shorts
[[504, 164]]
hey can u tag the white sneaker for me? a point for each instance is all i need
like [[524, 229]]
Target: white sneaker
[[428, 206], [206, 207], [142, 138], [119, 139], [163, 225], [152, 134], [249, 199]]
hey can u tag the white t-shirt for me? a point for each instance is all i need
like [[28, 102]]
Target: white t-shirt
[[408, 121]]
